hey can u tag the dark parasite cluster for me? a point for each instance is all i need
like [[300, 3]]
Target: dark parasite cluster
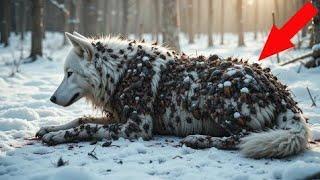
[[220, 88], [208, 89]]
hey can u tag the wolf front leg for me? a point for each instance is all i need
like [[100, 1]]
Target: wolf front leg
[[203, 141], [86, 132], [74, 123]]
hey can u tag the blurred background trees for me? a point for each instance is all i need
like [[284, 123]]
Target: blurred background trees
[[162, 20], [5, 21], [36, 28]]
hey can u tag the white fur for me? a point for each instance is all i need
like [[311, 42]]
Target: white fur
[[277, 143]]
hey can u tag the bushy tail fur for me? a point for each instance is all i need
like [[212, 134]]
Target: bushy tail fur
[[291, 138]]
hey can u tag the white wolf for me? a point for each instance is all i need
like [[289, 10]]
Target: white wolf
[[149, 89]]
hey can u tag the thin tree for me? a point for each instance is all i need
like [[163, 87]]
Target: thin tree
[[37, 29], [89, 17], [73, 20], [183, 11], [274, 22], [199, 18], [110, 17], [210, 22], [277, 10], [316, 23], [256, 19], [240, 23], [117, 17], [190, 22], [171, 24], [105, 22], [65, 13], [139, 22], [16, 17], [22, 20], [305, 29], [222, 22], [139, 25], [157, 19], [124, 26], [5, 21]]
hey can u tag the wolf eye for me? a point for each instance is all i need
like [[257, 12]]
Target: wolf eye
[[69, 73]]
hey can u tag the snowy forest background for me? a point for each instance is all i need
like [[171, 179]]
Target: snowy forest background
[[194, 18], [32, 54]]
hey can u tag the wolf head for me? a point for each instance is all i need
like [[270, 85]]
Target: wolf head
[[76, 83]]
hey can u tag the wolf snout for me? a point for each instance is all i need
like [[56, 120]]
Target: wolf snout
[[53, 99]]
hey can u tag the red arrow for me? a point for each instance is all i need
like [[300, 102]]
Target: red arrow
[[280, 39]]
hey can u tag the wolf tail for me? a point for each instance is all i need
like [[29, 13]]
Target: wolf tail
[[290, 137]]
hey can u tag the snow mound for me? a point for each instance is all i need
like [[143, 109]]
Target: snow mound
[[66, 173], [186, 150], [42, 150], [3, 83], [20, 113], [316, 47], [132, 149], [315, 132], [46, 113], [301, 170], [14, 124]]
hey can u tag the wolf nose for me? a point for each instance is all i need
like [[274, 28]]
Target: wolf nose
[[53, 99]]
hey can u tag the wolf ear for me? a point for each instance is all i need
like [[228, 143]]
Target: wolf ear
[[78, 35], [82, 47]]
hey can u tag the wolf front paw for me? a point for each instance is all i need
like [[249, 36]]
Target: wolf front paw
[[42, 132], [197, 141], [54, 138]]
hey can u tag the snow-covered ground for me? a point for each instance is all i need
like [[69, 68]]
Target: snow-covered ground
[[25, 107]]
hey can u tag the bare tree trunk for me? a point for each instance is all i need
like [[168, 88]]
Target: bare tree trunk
[[256, 19], [73, 19], [89, 17], [110, 18], [37, 29], [16, 17], [124, 26], [277, 10], [222, 23], [274, 22], [305, 29], [23, 18], [183, 11], [316, 22], [240, 23], [138, 19], [117, 17], [190, 22], [171, 24], [199, 18], [315, 37], [43, 22], [5, 21], [66, 25], [106, 26], [210, 22], [20, 17], [157, 17], [139, 23]]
